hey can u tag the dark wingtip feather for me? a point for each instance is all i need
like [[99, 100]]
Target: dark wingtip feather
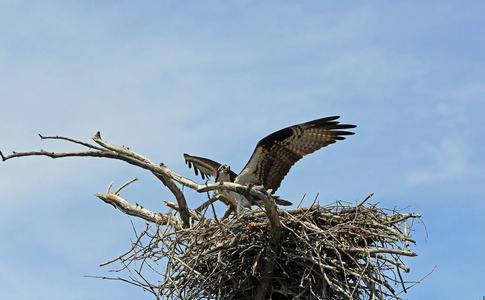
[[323, 121], [346, 126], [189, 163], [343, 132]]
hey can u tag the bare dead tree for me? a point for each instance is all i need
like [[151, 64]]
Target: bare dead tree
[[335, 252]]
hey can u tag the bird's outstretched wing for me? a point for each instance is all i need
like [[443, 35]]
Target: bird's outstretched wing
[[278, 152], [205, 166]]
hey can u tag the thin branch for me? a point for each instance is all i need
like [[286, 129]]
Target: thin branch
[[134, 210], [207, 204], [60, 155], [109, 188], [394, 262], [124, 185], [381, 250], [70, 140], [193, 213], [133, 247], [365, 200]]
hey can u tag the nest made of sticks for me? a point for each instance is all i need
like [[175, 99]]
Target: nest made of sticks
[[333, 252]]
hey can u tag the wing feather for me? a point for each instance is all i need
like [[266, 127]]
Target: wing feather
[[278, 152], [205, 166]]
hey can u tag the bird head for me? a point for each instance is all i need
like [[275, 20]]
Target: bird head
[[223, 173]]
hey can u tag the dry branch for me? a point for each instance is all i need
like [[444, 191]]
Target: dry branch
[[333, 252], [162, 172], [134, 210]]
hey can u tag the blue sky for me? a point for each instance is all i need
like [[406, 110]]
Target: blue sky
[[211, 78]]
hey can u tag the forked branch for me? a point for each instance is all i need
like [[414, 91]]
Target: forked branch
[[108, 150], [162, 172]]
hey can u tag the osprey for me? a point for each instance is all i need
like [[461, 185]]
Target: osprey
[[273, 157]]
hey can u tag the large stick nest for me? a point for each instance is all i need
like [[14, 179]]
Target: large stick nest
[[332, 252]]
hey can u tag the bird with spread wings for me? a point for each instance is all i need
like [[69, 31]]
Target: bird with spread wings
[[272, 159]]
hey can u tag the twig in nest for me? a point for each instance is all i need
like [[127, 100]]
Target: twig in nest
[[365, 200], [332, 252]]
